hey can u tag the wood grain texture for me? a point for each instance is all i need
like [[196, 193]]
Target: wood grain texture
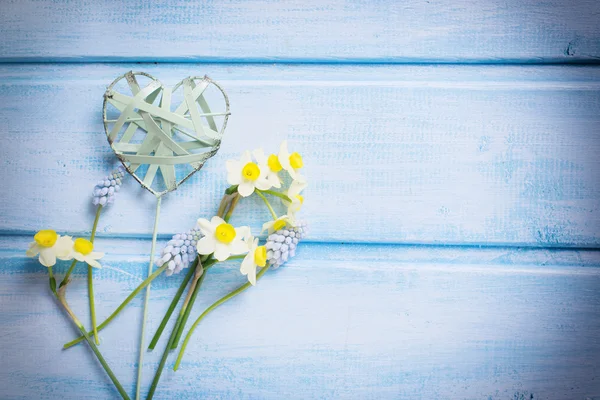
[[300, 31], [396, 154], [361, 322]]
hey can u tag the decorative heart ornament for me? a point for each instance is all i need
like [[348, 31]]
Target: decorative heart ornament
[[162, 135]]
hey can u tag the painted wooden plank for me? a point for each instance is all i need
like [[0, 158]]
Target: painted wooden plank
[[396, 154], [300, 31], [339, 321]]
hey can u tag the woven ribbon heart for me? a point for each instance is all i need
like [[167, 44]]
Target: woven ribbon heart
[[162, 135]]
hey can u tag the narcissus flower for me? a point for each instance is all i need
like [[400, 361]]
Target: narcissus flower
[[256, 257], [50, 246], [222, 239], [83, 250], [290, 162], [247, 174], [279, 223], [269, 164], [293, 193]]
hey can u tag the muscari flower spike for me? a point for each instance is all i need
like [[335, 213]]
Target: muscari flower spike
[[180, 251], [281, 245], [105, 190]]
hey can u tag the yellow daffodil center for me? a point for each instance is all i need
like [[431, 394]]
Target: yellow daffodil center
[[260, 256], [83, 246], [274, 163], [279, 224], [251, 171], [296, 161], [46, 238], [225, 233], [300, 198]]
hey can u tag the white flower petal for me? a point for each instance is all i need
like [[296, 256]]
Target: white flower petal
[[234, 177], [268, 226], [233, 165], [274, 180], [216, 221], [78, 256], [297, 186], [246, 158], [243, 232], [92, 262], [206, 227], [262, 184], [284, 156], [96, 255], [248, 268], [246, 188], [237, 247], [292, 172], [207, 245], [260, 157], [222, 251], [33, 250], [47, 257], [64, 248]]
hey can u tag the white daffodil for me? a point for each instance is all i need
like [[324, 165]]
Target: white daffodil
[[247, 175], [290, 162], [83, 250], [279, 223], [221, 238], [50, 246], [269, 164], [256, 257], [293, 193]]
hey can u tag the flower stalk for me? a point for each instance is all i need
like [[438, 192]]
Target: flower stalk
[[262, 196], [90, 276], [63, 301], [120, 308], [189, 300], [211, 308], [172, 306]]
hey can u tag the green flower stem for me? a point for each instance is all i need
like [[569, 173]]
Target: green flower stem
[[167, 316], [209, 309], [223, 205], [92, 306], [68, 274], [276, 194], [163, 360], [262, 196], [95, 226], [187, 307], [131, 296], [232, 205], [231, 189], [90, 282], [52, 281], [113, 378]]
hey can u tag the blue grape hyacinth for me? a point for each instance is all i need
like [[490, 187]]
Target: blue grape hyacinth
[[180, 251], [282, 244], [105, 190]]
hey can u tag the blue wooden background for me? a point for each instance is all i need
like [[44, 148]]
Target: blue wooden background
[[453, 154]]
